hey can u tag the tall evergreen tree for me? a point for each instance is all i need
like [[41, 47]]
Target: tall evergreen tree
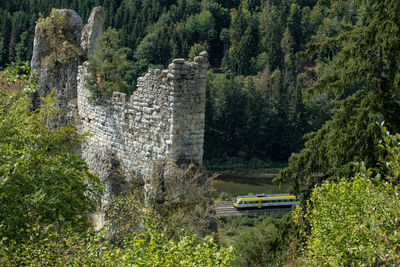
[[367, 64], [23, 49], [243, 36], [109, 69], [271, 34]]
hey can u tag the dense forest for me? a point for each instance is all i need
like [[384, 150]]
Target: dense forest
[[255, 110], [313, 84]]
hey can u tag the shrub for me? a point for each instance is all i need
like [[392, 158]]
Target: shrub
[[224, 196], [109, 68], [357, 222], [266, 243], [154, 248], [43, 182], [177, 198], [354, 223]]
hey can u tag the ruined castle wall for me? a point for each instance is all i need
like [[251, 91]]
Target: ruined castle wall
[[164, 117]]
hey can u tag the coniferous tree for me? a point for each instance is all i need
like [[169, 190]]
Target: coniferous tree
[[109, 69], [23, 49], [271, 34], [364, 64], [243, 36]]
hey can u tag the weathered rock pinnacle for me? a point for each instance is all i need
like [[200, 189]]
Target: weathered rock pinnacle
[[92, 30], [56, 59], [72, 26]]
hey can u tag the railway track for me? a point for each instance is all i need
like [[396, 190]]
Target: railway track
[[225, 208]]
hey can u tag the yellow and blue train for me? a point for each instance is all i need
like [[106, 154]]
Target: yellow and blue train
[[260, 201]]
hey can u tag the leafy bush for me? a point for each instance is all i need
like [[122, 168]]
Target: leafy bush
[[265, 244], [178, 198], [109, 68], [154, 248], [246, 221], [224, 196], [354, 223], [42, 181], [357, 222]]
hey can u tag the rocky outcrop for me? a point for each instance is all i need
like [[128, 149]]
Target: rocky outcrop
[[163, 118], [56, 58], [92, 30], [71, 27]]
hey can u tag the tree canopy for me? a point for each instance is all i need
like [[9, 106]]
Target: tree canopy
[[43, 182], [255, 38], [362, 75]]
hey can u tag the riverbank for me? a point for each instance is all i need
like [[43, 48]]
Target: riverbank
[[231, 183]]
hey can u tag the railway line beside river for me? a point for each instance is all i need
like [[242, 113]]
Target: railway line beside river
[[225, 208]]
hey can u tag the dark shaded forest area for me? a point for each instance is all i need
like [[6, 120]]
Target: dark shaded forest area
[[255, 111]]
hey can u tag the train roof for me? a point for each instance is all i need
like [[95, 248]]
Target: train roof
[[265, 195]]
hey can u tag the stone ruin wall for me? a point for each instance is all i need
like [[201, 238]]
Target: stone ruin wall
[[163, 118]]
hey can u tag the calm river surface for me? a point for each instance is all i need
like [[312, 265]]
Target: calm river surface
[[242, 184]]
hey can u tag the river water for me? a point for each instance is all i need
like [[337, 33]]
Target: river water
[[235, 185]]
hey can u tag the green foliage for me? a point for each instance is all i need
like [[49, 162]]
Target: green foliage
[[218, 164], [43, 182], [195, 50], [271, 30], [362, 76], [240, 36], [154, 248], [60, 51], [354, 223], [109, 68], [242, 120], [224, 196], [262, 240], [243, 36], [177, 198], [23, 49]]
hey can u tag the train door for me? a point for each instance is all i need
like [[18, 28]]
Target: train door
[[259, 203]]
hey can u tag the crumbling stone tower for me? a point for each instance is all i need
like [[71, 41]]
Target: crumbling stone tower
[[163, 118]]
